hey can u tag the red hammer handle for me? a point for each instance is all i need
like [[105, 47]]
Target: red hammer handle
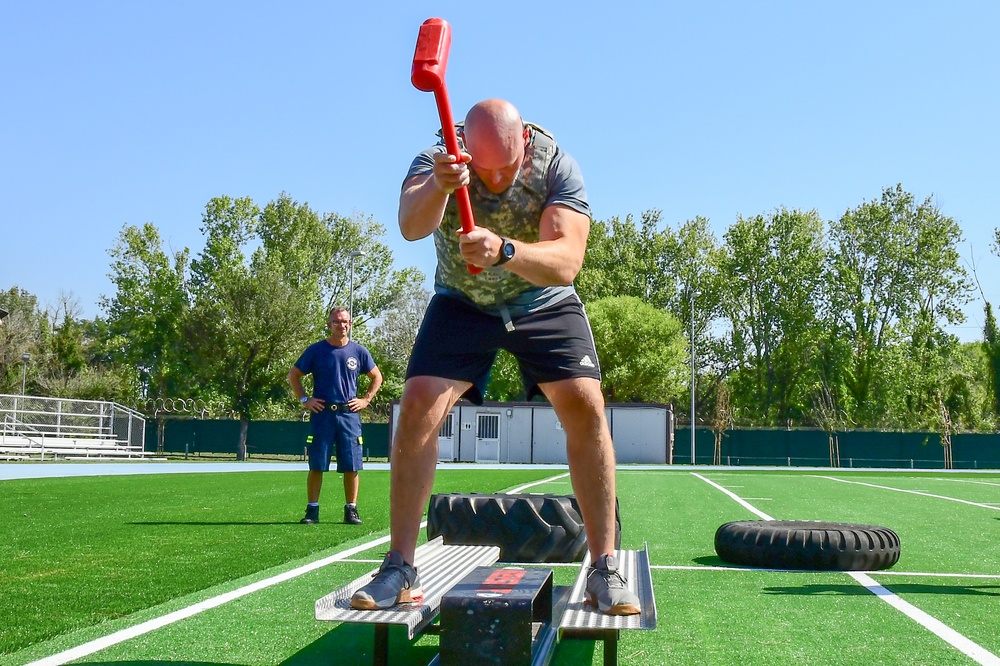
[[451, 144], [430, 60]]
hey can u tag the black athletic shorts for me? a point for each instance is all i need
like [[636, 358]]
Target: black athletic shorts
[[459, 341]]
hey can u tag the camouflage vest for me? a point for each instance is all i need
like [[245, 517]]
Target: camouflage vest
[[514, 213]]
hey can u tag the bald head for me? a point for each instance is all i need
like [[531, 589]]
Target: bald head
[[496, 137]]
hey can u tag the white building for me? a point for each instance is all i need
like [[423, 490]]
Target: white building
[[529, 432]]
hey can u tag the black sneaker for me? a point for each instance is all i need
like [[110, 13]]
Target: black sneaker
[[607, 590], [312, 515], [351, 516]]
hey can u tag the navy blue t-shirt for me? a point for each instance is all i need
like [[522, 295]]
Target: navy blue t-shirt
[[335, 370]]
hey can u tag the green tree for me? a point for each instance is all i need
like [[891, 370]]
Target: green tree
[[625, 260], [250, 316], [22, 332], [940, 373], [893, 264], [695, 255], [225, 327], [390, 341], [506, 382], [641, 350], [67, 357], [145, 314], [772, 268], [663, 268], [991, 350], [991, 343]]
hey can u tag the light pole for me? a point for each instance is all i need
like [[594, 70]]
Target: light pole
[[24, 374], [693, 376], [24, 370], [354, 255]]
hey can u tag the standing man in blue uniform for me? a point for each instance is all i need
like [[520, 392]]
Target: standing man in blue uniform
[[335, 364]]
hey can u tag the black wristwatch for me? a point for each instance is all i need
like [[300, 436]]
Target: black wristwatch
[[506, 252]]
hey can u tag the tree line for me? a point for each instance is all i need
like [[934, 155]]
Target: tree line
[[794, 320]]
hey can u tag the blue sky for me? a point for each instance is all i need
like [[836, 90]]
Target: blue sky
[[119, 113]]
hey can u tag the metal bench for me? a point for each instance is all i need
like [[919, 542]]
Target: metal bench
[[579, 620], [443, 568], [440, 567]]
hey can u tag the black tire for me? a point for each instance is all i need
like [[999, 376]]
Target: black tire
[[806, 544], [527, 528]]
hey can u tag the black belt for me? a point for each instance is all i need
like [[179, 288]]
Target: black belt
[[337, 407]]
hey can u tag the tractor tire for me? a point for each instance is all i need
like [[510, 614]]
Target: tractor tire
[[527, 528], [807, 544]]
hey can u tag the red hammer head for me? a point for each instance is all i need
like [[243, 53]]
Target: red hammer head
[[431, 57]]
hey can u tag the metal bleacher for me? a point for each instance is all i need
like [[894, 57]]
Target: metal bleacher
[[40, 428]]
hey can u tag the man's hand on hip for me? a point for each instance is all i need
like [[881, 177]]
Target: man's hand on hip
[[314, 405]]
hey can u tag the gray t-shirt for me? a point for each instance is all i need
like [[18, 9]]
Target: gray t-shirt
[[563, 185], [564, 181]]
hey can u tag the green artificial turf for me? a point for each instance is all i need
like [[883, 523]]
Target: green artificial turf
[[185, 538], [79, 551]]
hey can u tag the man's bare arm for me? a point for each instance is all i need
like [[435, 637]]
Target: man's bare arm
[[424, 197], [554, 260]]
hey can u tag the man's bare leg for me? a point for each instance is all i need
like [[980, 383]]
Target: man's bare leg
[[351, 484], [579, 404], [425, 403], [314, 483]]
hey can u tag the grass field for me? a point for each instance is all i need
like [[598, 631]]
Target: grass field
[[82, 558]]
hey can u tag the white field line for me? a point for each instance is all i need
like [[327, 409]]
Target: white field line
[[739, 500], [695, 567], [156, 623], [967, 647], [975, 651], [912, 492], [521, 489], [982, 483]]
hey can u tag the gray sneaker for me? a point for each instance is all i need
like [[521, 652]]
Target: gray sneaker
[[607, 590], [396, 582]]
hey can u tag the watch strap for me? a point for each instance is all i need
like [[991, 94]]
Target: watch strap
[[504, 257]]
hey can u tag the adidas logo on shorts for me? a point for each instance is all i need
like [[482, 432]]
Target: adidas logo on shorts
[[586, 362]]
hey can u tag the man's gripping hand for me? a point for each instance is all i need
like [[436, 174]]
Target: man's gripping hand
[[480, 247], [450, 174]]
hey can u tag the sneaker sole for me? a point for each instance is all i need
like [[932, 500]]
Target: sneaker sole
[[410, 596], [619, 609]]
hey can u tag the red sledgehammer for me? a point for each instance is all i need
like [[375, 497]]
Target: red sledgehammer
[[430, 61]]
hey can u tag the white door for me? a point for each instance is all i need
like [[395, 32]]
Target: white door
[[446, 439], [488, 438]]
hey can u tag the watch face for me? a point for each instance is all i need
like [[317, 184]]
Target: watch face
[[508, 249]]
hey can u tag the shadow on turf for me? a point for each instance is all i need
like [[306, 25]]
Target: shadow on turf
[[217, 523], [712, 561], [904, 588], [158, 662], [349, 644]]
